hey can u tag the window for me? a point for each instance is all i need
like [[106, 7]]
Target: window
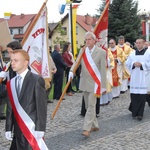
[[20, 31], [11, 31], [76, 30], [63, 30]]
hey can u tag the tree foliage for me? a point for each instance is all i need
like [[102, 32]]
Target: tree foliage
[[123, 19], [62, 33]]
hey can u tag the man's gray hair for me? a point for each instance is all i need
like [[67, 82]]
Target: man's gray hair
[[90, 33], [121, 37], [56, 46]]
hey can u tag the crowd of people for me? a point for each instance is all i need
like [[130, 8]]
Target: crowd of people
[[116, 78], [130, 70], [100, 75]]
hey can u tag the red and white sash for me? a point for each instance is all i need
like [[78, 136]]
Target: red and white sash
[[94, 72], [25, 123]]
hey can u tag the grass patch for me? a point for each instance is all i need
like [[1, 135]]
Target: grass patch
[[64, 84]]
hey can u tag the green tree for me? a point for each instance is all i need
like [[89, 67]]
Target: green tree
[[62, 34], [101, 8], [123, 19]]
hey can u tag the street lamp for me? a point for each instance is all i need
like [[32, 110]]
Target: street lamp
[[73, 1], [77, 1]]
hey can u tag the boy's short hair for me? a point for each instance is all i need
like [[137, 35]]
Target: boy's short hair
[[14, 45]]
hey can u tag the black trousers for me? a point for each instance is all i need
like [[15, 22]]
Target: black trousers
[[67, 74], [58, 83], [77, 80], [20, 143], [83, 109], [137, 104], [148, 99]]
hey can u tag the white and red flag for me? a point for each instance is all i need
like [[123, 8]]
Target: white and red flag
[[35, 42], [101, 28]]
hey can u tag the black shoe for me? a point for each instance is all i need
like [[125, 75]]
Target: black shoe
[[83, 115], [115, 97], [122, 92], [107, 103], [59, 98], [140, 118], [79, 91], [97, 115], [134, 118], [2, 117], [50, 101], [73, 91], [102, 105]]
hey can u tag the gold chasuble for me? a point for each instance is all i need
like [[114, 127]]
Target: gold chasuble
[[119, 56], [127, 50], [109, 71], [115, 72]]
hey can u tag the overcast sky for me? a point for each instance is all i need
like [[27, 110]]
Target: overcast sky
[[32, 7]]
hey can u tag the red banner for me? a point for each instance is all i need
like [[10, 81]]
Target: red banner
[[101, 29]]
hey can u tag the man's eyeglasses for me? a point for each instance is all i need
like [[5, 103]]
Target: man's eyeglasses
[[111, 43]]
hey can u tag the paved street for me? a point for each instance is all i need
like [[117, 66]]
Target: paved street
[[118, 131]]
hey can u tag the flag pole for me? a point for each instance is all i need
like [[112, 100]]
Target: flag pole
[[33, 23], [66, 87], [48, 52], [1, 57], [99, 26]]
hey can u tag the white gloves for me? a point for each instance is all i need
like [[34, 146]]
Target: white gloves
[[3, 74], [39, 134], [8, 135], [70, 76]]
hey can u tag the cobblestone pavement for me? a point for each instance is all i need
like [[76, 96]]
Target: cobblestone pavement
[[118, 131]]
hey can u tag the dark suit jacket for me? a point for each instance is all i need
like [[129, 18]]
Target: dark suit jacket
[[60, 64], [33, 100], [12, 74], [3, 94]]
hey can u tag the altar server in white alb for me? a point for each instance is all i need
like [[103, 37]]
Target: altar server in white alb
[[139, 63], [148, 82]]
